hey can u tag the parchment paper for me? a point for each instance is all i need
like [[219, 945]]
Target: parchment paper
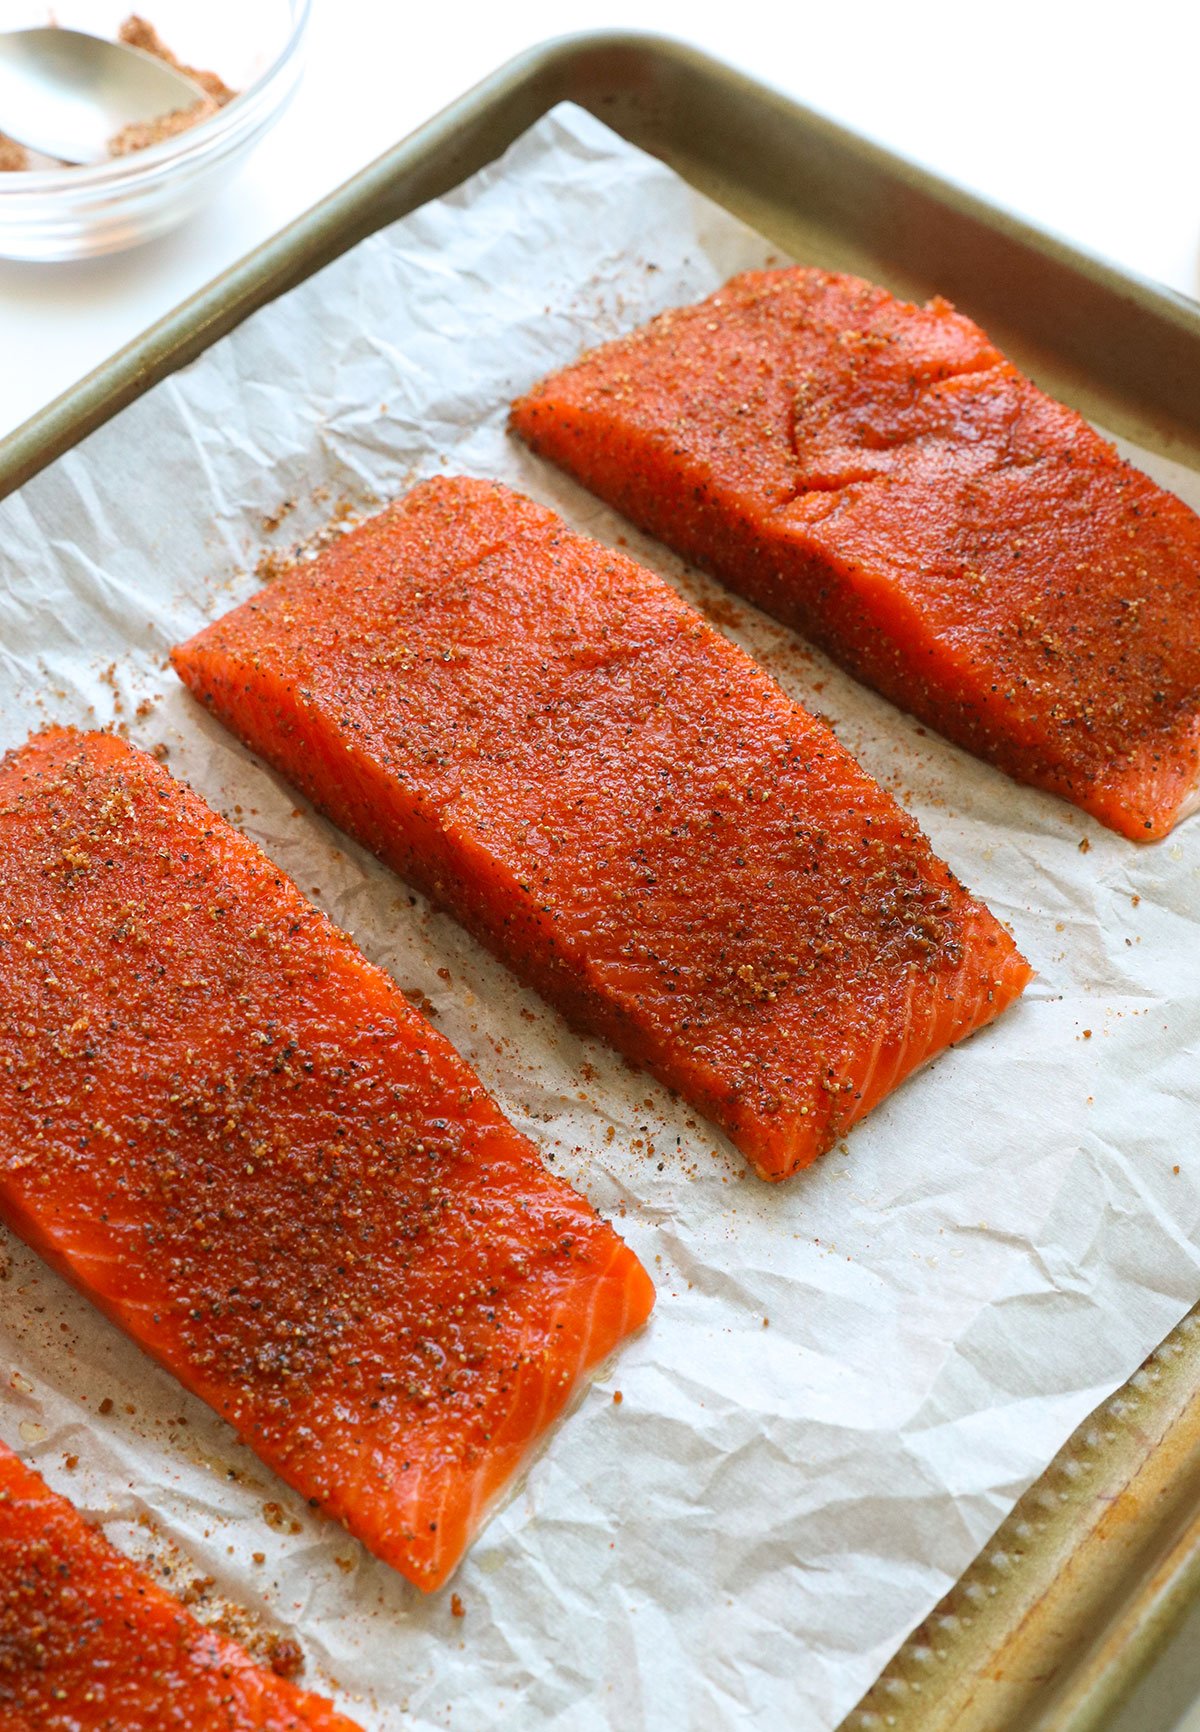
[[747, 1536]]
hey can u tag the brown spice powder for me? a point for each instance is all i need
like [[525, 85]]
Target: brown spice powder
[[13, 156], [138, 32], [141, 134]]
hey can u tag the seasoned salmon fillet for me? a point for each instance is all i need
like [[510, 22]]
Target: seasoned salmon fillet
[[90, 1643], [236, 1137], [878, 476], [546, 740]]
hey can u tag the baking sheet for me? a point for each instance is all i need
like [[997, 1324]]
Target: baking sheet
[[849, 1378]]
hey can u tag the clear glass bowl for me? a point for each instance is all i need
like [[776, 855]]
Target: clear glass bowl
[[77, 213]]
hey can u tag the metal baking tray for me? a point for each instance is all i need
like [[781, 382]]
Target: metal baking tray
[[1078, 1589]]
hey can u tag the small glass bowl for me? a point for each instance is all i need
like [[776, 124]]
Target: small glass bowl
[[78, 213]]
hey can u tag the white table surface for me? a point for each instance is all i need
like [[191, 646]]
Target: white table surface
[[1081, 116]]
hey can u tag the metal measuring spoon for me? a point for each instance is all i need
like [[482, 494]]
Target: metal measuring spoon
[[66, 94]]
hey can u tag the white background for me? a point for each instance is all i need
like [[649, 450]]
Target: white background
[[1080, 116]]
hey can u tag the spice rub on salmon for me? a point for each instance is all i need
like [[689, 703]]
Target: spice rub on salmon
[[545, 739], [90, 1643], [878, 476], [233, 1133]]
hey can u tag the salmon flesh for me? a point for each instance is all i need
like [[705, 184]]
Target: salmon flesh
[[233, 1133], [546, 740], [880, 478], [90, 1643]]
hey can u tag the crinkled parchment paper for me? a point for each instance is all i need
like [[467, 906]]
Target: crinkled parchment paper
[[751, 1531]]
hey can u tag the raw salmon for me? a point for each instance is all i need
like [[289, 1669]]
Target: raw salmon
[[545, 739], [878, 476], [90, 1643], [236, 1137]]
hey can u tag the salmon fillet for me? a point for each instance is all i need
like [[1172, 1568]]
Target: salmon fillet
[[236, 1137], [545, 739], [90, 1643], [878, 476]]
